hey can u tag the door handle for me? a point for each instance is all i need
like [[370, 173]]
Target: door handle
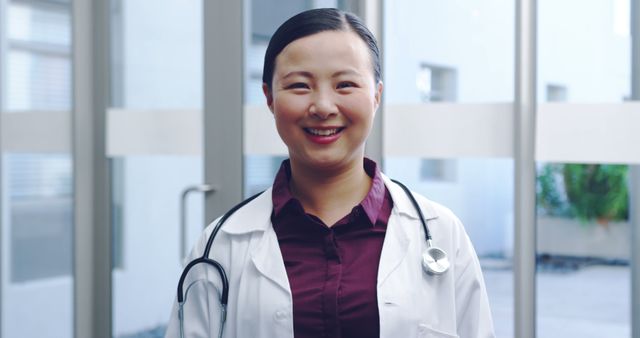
[[204, 188]]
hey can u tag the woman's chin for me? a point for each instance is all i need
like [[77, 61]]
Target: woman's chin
[[326, 162]]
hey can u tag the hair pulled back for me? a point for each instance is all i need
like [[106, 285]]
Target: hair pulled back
[[315, 21]]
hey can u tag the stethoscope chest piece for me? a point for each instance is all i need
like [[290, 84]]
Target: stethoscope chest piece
[[435, 261]]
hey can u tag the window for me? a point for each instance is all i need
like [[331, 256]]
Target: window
[[556, 93], [438, 170], [39, 56], [436, 83], [40, 196], [40, 202], [265, 20]]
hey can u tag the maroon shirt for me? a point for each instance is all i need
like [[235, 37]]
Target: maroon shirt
[[332, 270]]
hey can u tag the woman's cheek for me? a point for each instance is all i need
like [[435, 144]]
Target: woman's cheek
[[290, 108]]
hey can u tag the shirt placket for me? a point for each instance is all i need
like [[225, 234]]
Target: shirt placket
[[331, 286]]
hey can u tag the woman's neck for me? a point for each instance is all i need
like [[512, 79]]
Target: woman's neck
[[330, 194]]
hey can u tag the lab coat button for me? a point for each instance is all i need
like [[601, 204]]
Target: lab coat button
[[280, 315]]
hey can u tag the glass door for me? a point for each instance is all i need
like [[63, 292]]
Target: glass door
[[448, 77], [154, 143], [586, 150], [36, 169]]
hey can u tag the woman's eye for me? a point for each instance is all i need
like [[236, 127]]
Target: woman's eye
[[345, 84], [298, 85]]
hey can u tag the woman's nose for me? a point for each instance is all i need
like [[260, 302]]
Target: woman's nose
[[323, 106]]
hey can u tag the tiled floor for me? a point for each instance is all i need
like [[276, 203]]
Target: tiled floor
[[590, 302]]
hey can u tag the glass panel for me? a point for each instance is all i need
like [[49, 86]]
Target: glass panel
[[39, 57], [44, 81], [146, 238], [458, 51], [37, 241], [36, 188], [260, 169], [40, 215], [156, 64], [45, 23], [583, 233], [587, 58], [583, 225], [448, 51]]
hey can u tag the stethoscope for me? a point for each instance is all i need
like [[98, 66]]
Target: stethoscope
[[434, 260]]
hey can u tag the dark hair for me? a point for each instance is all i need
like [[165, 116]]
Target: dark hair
[[315, 21]]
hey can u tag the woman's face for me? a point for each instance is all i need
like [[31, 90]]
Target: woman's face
[[324, 98]]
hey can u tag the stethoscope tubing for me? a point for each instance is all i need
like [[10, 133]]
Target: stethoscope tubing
[[427, 234], [224, 297], [222, 220]]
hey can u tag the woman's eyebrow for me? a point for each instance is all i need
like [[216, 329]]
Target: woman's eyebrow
[[345, 72], [298, 73], [309, 75]]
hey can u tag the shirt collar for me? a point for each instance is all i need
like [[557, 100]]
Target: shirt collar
[[371, 204]]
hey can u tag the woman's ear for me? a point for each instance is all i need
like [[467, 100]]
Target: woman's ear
[[267, 94], [378, 94]]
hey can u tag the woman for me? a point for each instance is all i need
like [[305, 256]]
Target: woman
[[333, 248]]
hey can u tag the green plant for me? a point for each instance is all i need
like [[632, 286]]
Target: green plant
[[549, 198], [585, 191]]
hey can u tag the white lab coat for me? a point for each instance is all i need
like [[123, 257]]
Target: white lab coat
[[411, 303]]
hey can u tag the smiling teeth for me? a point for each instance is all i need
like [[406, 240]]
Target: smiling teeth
[[322, 132]]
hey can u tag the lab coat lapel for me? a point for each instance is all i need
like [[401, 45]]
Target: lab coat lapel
[[396, 245], [265, 250], [267, 259], [397, 239]]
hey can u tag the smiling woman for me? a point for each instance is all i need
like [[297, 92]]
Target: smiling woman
[[334, 248]]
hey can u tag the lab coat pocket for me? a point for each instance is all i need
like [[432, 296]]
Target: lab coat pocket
[[426, 331]]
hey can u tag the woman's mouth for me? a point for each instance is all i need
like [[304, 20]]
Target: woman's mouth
[[323, 135], [323, 132]]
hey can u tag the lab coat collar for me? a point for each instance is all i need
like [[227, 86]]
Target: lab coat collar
[[255, 216], [403, 205]]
